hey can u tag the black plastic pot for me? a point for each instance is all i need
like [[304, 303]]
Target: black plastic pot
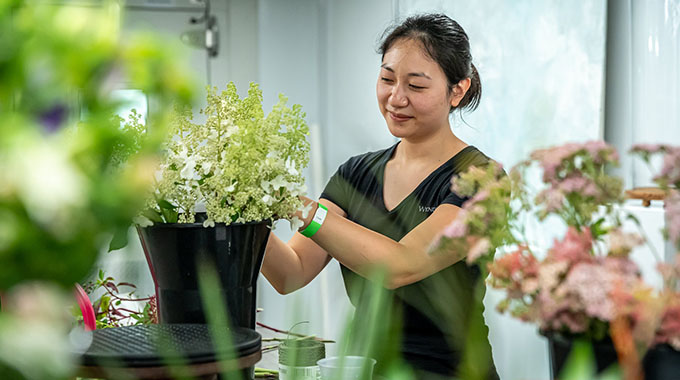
[[559, 348], [173, 252], [661, 362]]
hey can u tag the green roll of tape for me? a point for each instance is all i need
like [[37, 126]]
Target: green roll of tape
[[297, 359]]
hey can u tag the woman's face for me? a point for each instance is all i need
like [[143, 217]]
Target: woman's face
[[413, 91]]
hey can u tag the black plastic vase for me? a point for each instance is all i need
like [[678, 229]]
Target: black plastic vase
[[559, 348], [661, 362], [173, 252]]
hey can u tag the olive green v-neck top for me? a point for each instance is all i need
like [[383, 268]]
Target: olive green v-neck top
[[425, 321]]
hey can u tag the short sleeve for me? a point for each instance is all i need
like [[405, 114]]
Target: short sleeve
[[452, 198], [337, 189], [469, 158]]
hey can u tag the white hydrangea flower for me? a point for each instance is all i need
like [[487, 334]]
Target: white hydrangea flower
[[290, 167], [142, 221], [279, 182], [209, 157], [158, 175], [189, 169], [231, 131], [268, 199], [306, 209], [296, 223], [207, 165]]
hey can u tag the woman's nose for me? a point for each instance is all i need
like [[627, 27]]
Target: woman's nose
[[398, 97]]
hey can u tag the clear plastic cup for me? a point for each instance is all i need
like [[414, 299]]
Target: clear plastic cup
[[346, 368]]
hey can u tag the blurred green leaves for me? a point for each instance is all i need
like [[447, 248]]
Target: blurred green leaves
[[70, 174]]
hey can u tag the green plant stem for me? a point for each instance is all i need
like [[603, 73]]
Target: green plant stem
[[294, 334], [651, 247]]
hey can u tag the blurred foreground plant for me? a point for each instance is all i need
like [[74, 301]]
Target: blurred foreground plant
[[70, 174], [65, 187]]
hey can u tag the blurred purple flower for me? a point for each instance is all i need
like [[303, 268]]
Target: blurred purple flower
[[53, 118]]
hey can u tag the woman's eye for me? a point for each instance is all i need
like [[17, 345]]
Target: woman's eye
[[413, 86], [388, 80]]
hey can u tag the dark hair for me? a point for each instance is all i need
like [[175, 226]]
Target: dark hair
[[445, 41]]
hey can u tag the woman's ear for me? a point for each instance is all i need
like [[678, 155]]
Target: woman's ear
[[459, 90]]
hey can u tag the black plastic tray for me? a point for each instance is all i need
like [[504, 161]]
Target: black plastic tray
[[164, 344]]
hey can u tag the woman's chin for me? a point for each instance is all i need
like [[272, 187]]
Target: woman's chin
[[398, 132]]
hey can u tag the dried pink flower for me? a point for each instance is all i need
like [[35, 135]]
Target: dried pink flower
[[669, 331], [551, 198], [576, 246], [622, 243], [478, 197], [481, 247], [456, 229], [670, 171], [552, 159], [510, 270], [578, 184], [595, 282], [550, 274], [601, 151], [648, 148], [672, 208]]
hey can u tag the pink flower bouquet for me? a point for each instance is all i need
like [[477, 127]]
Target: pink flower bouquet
[[585, 280]]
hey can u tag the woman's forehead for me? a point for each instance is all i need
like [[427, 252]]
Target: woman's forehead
[[409, 55]]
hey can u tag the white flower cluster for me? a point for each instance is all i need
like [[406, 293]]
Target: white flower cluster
[[241, 165]]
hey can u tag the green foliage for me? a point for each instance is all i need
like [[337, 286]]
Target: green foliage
[[70, 174], [241, 164], [114, 306], [217, 318]]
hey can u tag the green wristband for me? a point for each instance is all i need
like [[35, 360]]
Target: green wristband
[[317, 220]]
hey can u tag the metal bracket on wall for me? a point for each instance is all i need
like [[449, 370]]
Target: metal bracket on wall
[[208, 37]]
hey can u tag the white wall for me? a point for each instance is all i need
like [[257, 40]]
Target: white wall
[[289, 56], [354, 124], [643, 79]]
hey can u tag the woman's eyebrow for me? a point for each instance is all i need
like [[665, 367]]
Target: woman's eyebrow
[[419, 74]]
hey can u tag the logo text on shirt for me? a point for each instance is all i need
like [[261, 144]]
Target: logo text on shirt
[[426, 209]]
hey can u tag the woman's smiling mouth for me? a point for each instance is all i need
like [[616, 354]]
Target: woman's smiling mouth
[[398, 116]]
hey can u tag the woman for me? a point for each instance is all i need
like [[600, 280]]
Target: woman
[[385, 208]]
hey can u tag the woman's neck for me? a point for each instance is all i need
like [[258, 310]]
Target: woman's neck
[[439, 147]]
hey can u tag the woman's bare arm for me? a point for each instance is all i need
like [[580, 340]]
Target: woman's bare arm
[[404, 262], [290, 266]]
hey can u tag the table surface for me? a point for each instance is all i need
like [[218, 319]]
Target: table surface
[[270, 358]]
